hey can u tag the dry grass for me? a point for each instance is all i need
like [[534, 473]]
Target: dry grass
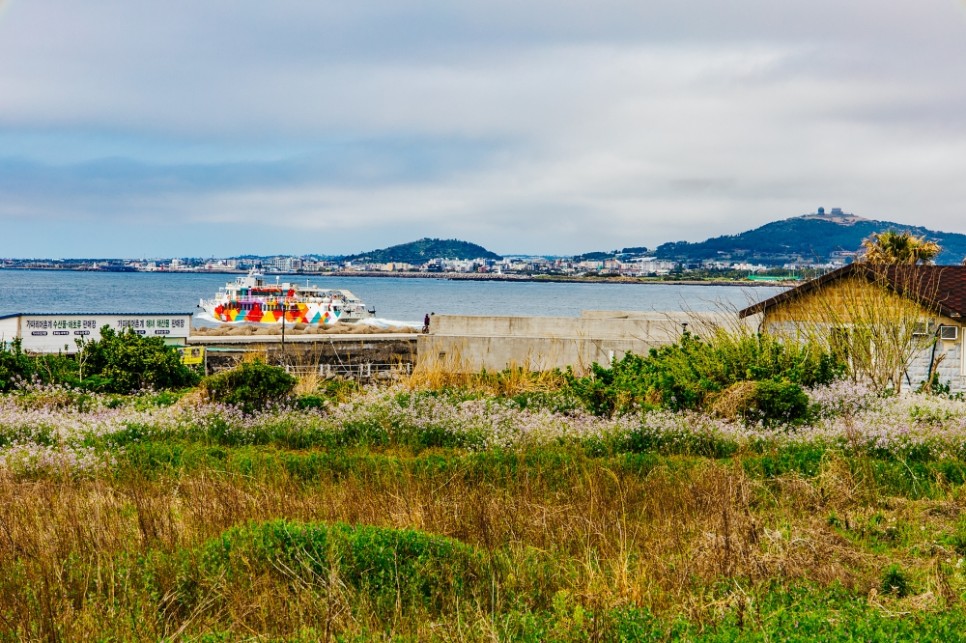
[[454, 370], [661, 540], [308, 383], [734, 400], [439, 372], [259, 354]]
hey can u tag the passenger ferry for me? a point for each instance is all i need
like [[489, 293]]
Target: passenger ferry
[[249, 299]]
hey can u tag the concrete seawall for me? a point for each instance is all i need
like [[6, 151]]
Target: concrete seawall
[[469, 343]]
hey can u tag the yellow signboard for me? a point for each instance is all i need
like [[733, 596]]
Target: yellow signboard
[[193, 355]]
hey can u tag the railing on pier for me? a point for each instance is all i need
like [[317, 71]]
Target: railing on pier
[[363, 371]]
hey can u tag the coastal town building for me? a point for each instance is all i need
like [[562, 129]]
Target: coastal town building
[[646, 265]]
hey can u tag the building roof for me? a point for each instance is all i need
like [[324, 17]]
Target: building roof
[[942, 288], [90, 314]]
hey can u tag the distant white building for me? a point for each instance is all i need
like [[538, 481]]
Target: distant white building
[[650, 266], [744, 266], [287, 264]]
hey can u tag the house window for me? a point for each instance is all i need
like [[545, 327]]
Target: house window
[[923, 329], [948, 333]]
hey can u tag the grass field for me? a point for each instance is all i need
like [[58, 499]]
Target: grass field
[[470, 513]]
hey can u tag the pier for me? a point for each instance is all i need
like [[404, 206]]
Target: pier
[[362, 356]]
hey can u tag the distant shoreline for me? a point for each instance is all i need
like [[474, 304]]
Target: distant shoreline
[[450, 276], [462, 276]]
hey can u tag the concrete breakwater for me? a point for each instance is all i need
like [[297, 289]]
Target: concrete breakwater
[[468, 343]]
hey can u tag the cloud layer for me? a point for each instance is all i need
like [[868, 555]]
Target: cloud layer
[[180, 128]]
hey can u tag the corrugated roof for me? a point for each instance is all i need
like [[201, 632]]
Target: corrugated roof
[[942, 288]]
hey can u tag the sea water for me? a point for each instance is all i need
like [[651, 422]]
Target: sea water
[[394, 299]]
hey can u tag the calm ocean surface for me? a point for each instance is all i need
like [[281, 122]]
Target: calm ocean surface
[[38, 291]]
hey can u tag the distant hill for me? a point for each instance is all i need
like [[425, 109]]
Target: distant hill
[[419, 252], [624, 254], [811, 237]]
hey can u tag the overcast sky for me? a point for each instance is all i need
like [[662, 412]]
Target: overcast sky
[[134, 129]]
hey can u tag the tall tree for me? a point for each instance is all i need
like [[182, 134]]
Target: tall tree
[[891, 247]]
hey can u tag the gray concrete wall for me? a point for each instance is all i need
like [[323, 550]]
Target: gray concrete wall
[[948, 358], [467, 343], [461, 353], [591, 324]]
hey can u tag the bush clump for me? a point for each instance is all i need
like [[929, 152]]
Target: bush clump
[[251, 386], [126, 362], [14, 365], [894, 581], [389, 569], [767, 402], [692, 373], [118, 362]]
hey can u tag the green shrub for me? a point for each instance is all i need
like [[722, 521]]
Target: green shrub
[[767, 402], [392, 568], [125, 362], [251, 386], [622, 388], [894, 581], [116, 363], [691, 374], [14, 364], [781, 402], [306, 402], [54, 368]]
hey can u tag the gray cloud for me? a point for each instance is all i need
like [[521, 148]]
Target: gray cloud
[[527, 127]]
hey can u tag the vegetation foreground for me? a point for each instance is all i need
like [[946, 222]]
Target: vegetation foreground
[[513, 506]]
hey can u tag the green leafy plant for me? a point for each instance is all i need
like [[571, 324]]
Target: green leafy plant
[[125, 362], [692, 373], [251, 386], [14, 364], [768, 402], [894, 581], [395, 568]]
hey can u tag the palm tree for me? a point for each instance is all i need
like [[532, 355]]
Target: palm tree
[[892, 247]]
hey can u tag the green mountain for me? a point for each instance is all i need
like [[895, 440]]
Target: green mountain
[[812, 237], [419, 252], [624, 254]]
